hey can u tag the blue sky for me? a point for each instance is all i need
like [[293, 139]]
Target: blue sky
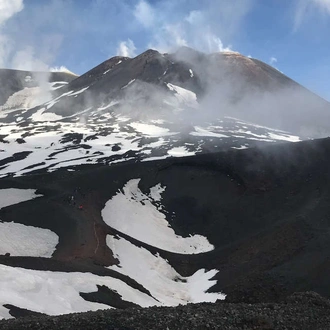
[[291, 35]]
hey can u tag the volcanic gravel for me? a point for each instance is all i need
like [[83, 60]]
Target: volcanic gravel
[[299, 311]]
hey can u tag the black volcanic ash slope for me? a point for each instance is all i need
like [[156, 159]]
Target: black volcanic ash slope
[[265, 211]]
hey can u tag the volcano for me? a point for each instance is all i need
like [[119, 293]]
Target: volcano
[[161, 180]]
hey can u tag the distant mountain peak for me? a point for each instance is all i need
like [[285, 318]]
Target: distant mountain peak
[[62, 69]]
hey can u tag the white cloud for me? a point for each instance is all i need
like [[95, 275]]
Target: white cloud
[[195, 16], [323, 5], [144, 14], [272, 60], [306, 8], [126, 48], [25, 59], [9, 8], [206, 29], [214, 44], [23, 43]]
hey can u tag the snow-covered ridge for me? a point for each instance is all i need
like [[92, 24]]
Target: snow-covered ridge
[[49, 143]]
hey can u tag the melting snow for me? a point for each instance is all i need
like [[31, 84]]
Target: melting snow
[[133, 213]]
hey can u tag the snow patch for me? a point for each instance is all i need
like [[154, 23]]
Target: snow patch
[[159, 277], [180, 152], [240, 147], [156, 192], [41, 115], [284, 137], [13, 196], [79, 92], [56, 293], [203, 132], [151, 130], [21, 240], [184, 96], [131, 82], [133, 213]]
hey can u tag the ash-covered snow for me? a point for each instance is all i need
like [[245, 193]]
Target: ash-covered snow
[[133, 213]]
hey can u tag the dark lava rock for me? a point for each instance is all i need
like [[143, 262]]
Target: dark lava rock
[[116, 147]]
